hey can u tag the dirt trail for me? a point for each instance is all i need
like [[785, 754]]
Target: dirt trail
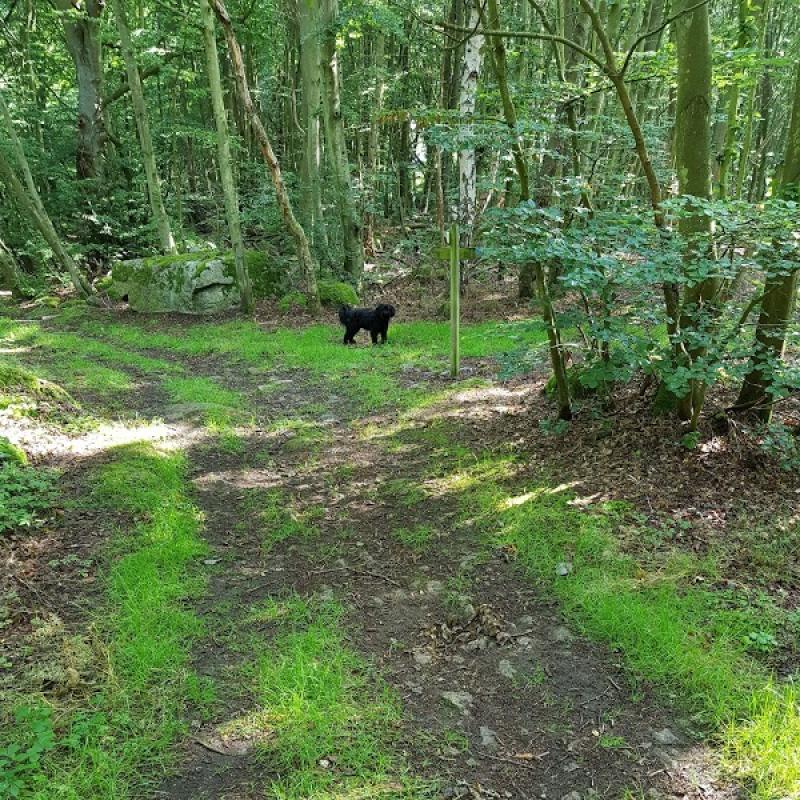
[[501, 698]]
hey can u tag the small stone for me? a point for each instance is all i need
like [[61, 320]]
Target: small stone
[[434, 587], [564, 568], [571, 766], [488, 737], [506, 669], [562, 634], [210, 561], [572, 796], [460, 700], [525, 622], [477, 644], [471, 762], [524, 641], [422, 657], [265, 388], [666, 737]]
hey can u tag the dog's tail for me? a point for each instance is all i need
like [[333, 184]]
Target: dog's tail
[[344, 314]]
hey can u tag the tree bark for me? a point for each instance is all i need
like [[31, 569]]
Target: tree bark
[[308, 29], [166, 240], [373, 139], [337, 144], [82, 32], [780, 290], [308, 268], [31, 203], [693, 165], [10, 272], [224, 156]]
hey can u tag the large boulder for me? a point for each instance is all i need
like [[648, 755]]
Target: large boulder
[[189, 283]]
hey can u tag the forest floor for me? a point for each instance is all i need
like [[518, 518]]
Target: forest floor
[[280, 567]]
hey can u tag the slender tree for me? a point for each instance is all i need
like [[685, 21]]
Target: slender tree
[[780, 288], [337, 144], [160, 217], [30, 202], [224, 156], [308, 267]]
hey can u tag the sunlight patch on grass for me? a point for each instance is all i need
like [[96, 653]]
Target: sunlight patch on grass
[[696, 644], [133, 710], [332, 729]]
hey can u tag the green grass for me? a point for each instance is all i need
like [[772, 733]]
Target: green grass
[[331, 730], [279, 520], [696, 644], [418, 538], [101, 742]]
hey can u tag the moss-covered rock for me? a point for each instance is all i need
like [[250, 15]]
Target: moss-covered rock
[[191, 283], [336, 293]]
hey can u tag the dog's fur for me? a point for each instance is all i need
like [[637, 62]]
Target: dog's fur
[[375, 320]]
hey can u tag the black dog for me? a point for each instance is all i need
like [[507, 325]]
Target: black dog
[[375, 320]]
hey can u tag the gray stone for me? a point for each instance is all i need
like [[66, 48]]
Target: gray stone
[[562, 634], [488, 737], [563, 568], [423, 657], [572, 796], [190, 283], [460, 700], [434, 587], [525, 622], [506, 669], [479, 643], [666, 737]]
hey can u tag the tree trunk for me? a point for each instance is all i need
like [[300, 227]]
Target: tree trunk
[[693, 165], [467, 166], [10, 272], [373, 139], [308, 28], [337, 144], [82, 33], [308, 268], [780, 290], [160, 218], [224, 156], [31, 203]]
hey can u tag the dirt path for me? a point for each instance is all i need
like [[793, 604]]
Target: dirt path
[[501, 698]]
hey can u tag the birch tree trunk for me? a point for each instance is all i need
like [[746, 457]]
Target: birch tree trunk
[[308, 267], [224, 156], [467, 167], [82, 33], [337, 144], [166, 240], [780, 289], [31, 204]]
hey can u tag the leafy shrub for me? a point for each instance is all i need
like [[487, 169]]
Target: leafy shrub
[[11, 454], [292, 301], [19, 760], [336, 293], [25, 495]]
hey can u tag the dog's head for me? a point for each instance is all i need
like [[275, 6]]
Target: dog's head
[[384, 311]]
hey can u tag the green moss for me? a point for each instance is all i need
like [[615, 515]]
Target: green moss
[[336, 293], [292, 300]]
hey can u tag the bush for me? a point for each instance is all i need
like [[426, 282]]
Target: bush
[[336, 293], [292, 301], [11, 454]]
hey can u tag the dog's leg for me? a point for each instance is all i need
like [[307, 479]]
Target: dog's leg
[[374, 335]]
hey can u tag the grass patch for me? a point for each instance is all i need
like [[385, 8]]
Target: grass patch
[[332, 730], [695, 643], [417, 538], [99, 742], [279, 520]]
